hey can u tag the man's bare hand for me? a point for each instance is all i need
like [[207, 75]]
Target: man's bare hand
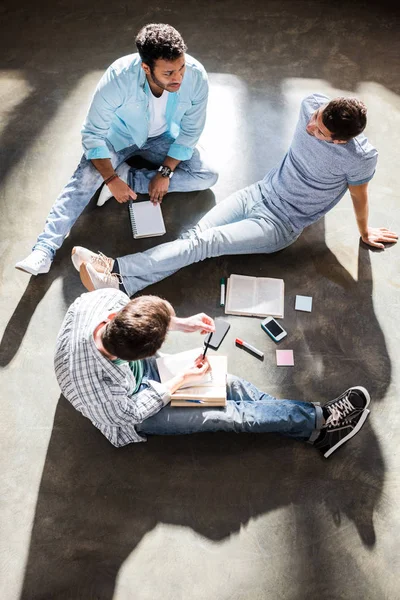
[[158, 187], [376, 235], [200, 322], [121, 190], [196, 372]]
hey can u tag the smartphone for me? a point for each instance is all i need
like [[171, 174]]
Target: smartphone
[[274, 330], [214, 340]]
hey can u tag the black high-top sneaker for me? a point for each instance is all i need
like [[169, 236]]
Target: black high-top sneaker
[[344, 417]]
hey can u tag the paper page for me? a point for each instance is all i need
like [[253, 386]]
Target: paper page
[[242, 293], [172, 364], [269, 296], [148, 219]]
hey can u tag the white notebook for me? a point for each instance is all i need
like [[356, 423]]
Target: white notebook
[[255, 296], [146, 219], [209, 391]]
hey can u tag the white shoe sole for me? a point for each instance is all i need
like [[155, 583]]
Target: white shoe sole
[[32, 271], [360, 423], [75, 259], [363, 391], [85, 278]]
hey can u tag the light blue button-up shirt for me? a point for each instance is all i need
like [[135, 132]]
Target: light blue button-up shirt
[[119, 111]]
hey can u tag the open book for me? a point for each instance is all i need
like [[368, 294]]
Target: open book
[[210, 391], [255, 296], [146, 219]]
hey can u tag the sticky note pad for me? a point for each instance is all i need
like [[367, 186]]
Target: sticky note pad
[[284, 358], [303, 303]]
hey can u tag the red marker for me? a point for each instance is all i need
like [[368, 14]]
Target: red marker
[[243, 344]]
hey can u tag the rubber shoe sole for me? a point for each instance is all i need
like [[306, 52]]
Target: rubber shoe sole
[[85, 278], [364, 416]]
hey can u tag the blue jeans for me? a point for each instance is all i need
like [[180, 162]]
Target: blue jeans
[[241, 224], [190, 175], [248, 410]]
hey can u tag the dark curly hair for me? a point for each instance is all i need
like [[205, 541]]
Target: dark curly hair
[[345, 118], [139, 329], [159, 40]]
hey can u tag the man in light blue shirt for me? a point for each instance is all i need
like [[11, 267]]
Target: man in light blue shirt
[[151, 104], [328, 155]]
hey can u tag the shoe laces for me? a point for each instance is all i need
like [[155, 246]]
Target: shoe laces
[[339, 411], [111, 277], [101, 259], [41, 258]]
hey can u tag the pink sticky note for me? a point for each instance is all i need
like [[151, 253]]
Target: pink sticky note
[[284, 358]]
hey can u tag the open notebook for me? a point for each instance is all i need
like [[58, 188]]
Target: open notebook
[[210, 391], [255, 296], [146, 219]]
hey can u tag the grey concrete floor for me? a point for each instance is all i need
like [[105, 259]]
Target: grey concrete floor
[[223, 516]]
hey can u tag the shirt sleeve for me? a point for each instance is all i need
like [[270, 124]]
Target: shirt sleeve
[[362, 170], [193, 121], [123, 410], [107, 98]]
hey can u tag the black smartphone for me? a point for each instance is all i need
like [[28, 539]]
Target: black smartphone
[[221, 329]]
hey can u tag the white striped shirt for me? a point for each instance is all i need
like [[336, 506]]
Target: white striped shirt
[[101, 390]]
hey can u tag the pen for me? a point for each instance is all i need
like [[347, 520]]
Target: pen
[[206, 346], [195, 401], [249, 347], [222, 298]]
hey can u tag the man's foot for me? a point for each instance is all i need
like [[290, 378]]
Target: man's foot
[[38, 262], [93, 280], [344, 418], [105, 193], [100, 261]]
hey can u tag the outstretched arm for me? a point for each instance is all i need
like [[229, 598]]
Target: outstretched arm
[[374, 236]]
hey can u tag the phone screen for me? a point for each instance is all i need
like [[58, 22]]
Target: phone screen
[[221, 329], [274, 328]]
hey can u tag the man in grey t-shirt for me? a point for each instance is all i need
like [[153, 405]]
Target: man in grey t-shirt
[[328, 155]]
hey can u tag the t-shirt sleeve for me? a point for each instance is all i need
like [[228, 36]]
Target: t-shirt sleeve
[[362, 169]]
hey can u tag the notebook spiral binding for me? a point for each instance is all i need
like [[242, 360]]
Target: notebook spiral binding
[[132, 217]]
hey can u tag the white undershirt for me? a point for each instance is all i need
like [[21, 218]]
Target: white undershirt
[[158, 107]]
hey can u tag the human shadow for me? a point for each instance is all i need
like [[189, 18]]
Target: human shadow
[[96, 503], [107, 229]]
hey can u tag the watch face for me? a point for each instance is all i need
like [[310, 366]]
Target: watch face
[[165, 171]]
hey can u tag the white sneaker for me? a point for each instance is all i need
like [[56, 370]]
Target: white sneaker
[[105, 193], [93, 280], [36, 263], [100, 261]]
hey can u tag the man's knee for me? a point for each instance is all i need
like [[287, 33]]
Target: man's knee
[[207, 178]]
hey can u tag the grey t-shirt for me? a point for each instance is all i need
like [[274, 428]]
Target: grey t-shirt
[[314, 175]]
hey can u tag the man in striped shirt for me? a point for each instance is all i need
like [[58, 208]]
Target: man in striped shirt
[[105, 367]]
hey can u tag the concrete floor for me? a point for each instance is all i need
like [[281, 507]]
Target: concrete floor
[[203, 517]]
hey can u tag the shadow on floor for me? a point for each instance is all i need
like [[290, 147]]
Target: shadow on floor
[[107, 229], [96, 503]]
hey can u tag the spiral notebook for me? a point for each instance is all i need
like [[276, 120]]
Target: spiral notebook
[[146, 219]]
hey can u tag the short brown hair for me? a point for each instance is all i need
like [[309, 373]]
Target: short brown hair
[[139, 329], [345, 118]]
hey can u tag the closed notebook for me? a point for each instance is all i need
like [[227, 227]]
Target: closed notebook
[[255, 296], [210, 391], [146, 219]]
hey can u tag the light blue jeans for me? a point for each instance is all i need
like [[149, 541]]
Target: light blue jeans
[[241, 224], [190, 175], [248, 410]]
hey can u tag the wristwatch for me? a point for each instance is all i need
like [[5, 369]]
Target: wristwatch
[[165, 171]]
